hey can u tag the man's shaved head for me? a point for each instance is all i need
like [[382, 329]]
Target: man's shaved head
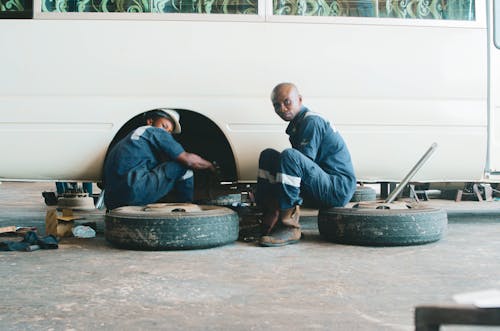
[[285, 85], [287, 102]]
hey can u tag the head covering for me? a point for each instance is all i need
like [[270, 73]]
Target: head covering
[[170, 114]]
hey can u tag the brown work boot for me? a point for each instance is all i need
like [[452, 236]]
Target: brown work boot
[[269, 219], [290, 217], [286, 232], [282, 235], [270, 216]]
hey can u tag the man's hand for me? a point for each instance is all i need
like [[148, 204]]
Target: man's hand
[[195, 161]]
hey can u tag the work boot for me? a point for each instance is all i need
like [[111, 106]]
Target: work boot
[[286, 232], [269, 219], [282, 235], [270, 216], [290, 217]]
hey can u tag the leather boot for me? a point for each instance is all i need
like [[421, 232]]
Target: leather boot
[[270, 217], [290, 217], [286, 232]]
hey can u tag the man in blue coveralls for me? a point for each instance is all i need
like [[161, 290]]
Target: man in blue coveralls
[[318, 168], [149, 163]]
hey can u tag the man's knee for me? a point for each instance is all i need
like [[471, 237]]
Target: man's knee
[[188, 175], [268, 155], [291, 156], [269, 160]]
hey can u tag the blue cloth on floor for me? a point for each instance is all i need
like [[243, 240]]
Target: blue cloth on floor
[[30, 238]]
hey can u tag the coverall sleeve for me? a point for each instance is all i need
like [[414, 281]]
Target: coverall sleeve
[[165, 142], [311, 133]]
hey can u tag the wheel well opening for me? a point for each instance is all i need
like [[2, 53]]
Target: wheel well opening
[[199, 135], [202, 136]]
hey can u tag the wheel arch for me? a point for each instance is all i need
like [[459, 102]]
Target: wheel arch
[[200, 135]]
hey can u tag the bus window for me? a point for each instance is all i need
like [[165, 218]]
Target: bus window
[[419, 9], [153, 6], [462, 10], [16, 9], [325, 7]]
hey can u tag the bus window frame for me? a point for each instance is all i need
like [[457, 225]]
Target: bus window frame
[[265, 14], [496, 23]]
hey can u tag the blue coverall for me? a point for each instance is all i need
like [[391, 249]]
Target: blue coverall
[[141, 169], [319, 166]]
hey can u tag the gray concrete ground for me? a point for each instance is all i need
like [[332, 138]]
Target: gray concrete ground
[[314, 285]]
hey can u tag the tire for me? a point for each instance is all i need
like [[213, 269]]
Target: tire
[[225, 200], [363, 193], [145, 228], [382, 227]]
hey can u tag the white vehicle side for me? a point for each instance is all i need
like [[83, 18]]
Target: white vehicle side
[[70, 82]]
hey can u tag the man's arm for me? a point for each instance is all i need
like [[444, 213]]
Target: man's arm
[[194, 161], [311, 134], [168, 145]]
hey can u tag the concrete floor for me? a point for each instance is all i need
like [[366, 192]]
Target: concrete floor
[[314, 285]]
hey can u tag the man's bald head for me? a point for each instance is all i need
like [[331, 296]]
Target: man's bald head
[[284, 86], [287, 101]]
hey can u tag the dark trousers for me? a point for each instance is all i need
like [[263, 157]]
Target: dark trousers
[[152, 185], [290, 175]]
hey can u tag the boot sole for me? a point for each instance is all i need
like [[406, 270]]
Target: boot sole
[[291, 242]]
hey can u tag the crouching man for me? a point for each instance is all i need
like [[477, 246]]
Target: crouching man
[[318, 167], [149, 163]]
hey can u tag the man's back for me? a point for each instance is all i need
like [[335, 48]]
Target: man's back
[[315, 137], [132, 158]]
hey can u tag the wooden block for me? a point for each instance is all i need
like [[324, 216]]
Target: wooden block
[[51, 222], [67, 216], [11, 228], [64, 229], [67, 212]]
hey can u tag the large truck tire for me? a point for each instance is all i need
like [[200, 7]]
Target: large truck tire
[[364, 193], [171, 226], [229, 200], [382, 227]]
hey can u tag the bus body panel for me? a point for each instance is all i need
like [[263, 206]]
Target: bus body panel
[[494, 88], [67, 86]]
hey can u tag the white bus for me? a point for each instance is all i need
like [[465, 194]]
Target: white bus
[[392, 76]]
